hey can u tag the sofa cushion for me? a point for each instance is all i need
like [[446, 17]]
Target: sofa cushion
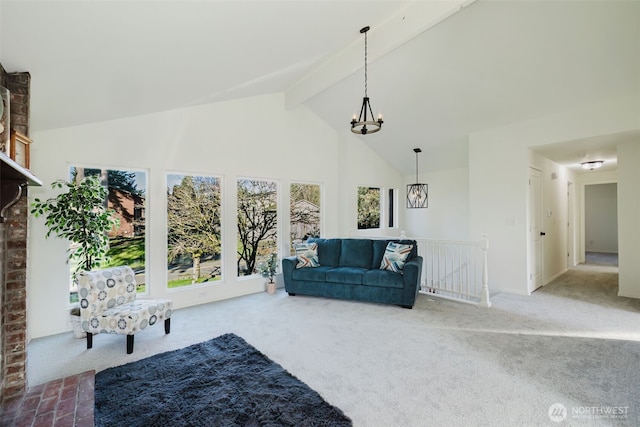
[[395, 256], [307, 254], [356, 253], [328, 251], [379, 246], [383, 279], [318, 274], [346, 275]]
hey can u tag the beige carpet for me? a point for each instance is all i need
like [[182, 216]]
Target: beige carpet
[[572, 345], [601, 258]]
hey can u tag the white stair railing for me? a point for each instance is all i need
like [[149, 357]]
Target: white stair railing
[[455, 270]]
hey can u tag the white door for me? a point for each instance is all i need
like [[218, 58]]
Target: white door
[[535, 231]]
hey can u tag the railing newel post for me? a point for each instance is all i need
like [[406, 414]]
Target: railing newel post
[[484, 299]]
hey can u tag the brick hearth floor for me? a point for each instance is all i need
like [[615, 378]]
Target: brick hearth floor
[[59, 403]]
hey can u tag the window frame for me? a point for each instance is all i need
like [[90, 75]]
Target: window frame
[[380, 207], [147, 246], [222, 275], [320, 224], [278, 219]]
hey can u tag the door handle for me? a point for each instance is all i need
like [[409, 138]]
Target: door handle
[[542, 233]]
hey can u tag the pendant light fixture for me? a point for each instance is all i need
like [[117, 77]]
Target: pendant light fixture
[[366, 114], [417, 194]]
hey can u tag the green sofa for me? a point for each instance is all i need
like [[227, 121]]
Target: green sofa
[[350, 269]]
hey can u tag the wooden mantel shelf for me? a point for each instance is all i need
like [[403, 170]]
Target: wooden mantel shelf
[[13, 179]]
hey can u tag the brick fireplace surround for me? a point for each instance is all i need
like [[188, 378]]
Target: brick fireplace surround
[[13, 257]]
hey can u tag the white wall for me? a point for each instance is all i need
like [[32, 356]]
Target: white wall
[[629, 220], [498, 166], [447, 217], [601, 218], [279, 144]]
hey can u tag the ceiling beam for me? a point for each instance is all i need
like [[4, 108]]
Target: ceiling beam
[[410, 21]]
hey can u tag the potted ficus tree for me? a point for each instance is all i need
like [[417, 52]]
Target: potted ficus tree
[[79, 215], [268, 269]]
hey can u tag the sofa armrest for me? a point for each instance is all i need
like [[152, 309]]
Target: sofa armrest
[[288, 265], [412, 275]]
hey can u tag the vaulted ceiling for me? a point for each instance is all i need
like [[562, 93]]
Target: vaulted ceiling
[[438, 70]]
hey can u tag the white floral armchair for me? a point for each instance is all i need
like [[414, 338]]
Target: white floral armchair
[[108, 304]]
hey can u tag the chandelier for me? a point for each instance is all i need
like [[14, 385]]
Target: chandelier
[[366, 114], [417, 194]]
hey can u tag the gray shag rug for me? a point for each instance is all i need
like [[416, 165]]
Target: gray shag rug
[[221, 382]]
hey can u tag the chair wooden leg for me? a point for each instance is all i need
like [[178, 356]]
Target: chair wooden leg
[[129, 344], [167, 325], [89, 340]]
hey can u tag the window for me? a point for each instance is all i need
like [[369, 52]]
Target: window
[[127, 197], [257, 223], [368, 207], [391, 208], [304, 210], [193, 230]]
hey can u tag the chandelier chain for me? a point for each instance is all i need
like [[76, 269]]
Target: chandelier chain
[[365, 64]]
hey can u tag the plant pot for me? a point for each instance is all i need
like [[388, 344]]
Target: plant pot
[[271, 288], [76, 323]]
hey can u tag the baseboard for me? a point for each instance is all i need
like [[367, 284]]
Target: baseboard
[[513, 291], [626, 295]]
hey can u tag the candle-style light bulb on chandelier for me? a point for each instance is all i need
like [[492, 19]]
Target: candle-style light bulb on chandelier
[[366, 114], [417, 194]]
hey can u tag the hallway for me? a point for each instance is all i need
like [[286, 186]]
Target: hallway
[[601, 258]]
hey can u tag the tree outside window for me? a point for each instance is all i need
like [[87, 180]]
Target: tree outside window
[[304, 212], [368, 207], [257, 223], [193, 229]]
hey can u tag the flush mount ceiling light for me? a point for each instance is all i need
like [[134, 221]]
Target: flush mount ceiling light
[[417, 194], [366, 114], [594, 164]]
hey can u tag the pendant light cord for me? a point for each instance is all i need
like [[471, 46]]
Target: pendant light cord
[[417, 151]]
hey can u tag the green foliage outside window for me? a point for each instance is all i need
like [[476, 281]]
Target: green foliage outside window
[[368, 207]]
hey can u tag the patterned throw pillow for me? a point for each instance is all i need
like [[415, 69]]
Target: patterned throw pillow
[[395, 256], [307, 254]]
